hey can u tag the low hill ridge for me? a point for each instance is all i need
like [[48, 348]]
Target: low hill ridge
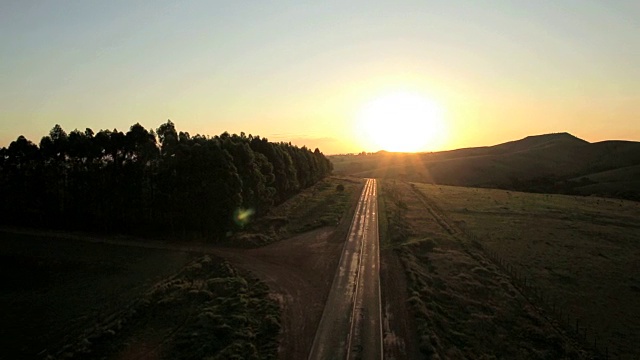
[[553, 163]]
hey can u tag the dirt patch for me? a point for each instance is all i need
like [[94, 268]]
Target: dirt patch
[[298, 271]]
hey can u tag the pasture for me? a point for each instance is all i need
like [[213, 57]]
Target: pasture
[[582, 253]]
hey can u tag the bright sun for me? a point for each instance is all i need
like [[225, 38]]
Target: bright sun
[[402, 121]]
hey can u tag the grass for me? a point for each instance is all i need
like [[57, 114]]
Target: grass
[[552, 163], [383, 222], [207, 310], [92, 300], [464, 305], [63, 285], [315, 207], [393, 226], [581, 252]]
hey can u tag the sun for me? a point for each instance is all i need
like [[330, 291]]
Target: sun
[[401, 121]]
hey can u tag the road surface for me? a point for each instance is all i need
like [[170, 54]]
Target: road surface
[[351, 326]]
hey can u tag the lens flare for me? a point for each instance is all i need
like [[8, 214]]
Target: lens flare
[[242, 216]]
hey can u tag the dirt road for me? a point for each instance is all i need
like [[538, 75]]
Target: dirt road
[[350, 327]]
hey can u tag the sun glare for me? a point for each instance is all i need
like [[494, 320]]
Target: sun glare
[[402, 121]]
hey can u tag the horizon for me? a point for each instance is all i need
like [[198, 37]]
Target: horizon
[[305, 74], [300, 145]]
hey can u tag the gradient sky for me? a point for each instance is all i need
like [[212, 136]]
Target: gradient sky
[[300, 71]]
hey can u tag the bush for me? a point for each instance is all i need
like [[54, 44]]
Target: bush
[[340, 188]]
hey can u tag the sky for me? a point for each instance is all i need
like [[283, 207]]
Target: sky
[[302, 71]]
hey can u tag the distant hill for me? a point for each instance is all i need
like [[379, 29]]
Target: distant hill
[[553, 163]]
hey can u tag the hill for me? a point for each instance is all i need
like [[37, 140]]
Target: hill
[[552, 163]]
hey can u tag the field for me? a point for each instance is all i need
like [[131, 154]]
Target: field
[[468, 254], [78, 299], [64, 285], [122, 297], [487, 274], [580, 252]]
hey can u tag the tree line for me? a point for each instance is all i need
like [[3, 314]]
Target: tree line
[[143, 181]]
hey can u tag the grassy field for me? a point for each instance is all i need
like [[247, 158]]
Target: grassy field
[[582, 253], [76, 299], [464, 305], [315, 207]]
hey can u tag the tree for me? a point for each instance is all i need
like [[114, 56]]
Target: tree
[[135, 182]]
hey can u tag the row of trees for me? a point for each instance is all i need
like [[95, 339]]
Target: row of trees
[[150, 181]]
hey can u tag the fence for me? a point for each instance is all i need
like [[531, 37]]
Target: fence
[[574, 327], [554, 311]]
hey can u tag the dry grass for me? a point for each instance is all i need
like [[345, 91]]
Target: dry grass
[[582, 252], [552, 163], [315, 207], [465, 305]]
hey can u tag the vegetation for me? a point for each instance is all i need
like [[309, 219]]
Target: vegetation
[[323, 204], [163, 182], [552, 163], [66, 286], [463, 304], [207, 310], [580, 252], [96, 300]]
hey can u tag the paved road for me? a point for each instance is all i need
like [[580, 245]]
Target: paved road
[[351, 326]]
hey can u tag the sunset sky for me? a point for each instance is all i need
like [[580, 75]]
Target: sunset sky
[[303, 71]]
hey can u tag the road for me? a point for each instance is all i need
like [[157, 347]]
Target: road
[[351, 326]]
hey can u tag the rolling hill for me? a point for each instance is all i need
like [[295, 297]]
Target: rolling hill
[[552, 163]]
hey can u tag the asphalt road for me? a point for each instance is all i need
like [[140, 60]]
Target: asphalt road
[[351, 324]]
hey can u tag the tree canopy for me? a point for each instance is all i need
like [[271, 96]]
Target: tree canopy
[[146, 181]]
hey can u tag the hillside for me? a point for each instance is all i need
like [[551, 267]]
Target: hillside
[[555, 163]]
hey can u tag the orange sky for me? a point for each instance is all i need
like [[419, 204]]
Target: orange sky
[[303, 72]]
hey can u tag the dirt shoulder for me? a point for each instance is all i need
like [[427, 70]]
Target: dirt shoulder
[[298, 272]]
